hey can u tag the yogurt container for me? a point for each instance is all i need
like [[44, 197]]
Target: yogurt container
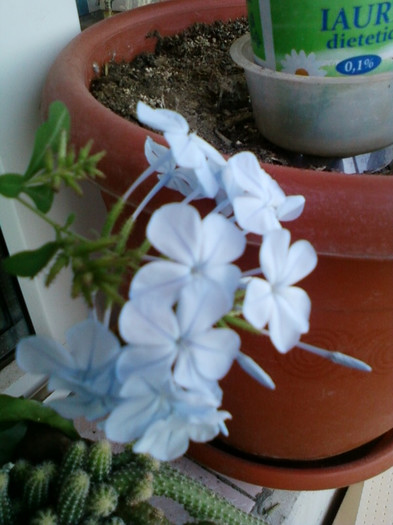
[[322, 37]]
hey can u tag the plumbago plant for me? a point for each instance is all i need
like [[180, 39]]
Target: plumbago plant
[[154, 379]]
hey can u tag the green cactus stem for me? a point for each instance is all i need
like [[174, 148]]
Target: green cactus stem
[[99, 460], [133, 482], [45, 517], [114, 520], [143, 514], [19, 475], [201, 502], [36, 491], [6, 513], [72, 497], [102, 500], [74, 459]]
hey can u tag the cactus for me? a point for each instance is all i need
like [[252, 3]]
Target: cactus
[[72, 497], [135, 484], [143, 514], [45, 517], [89, 487], [102, 500], [73, 459], [6, 513], [99, 460], [114, 520], [19, 475], [198, 500], [36, 490]]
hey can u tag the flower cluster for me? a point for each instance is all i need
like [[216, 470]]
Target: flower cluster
[[161, 387]]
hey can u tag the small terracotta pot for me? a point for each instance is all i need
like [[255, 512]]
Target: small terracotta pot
[[318, 409]]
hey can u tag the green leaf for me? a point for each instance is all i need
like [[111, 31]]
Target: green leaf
[[42, 196], [48, 136], [30, 262], [9, 439], [11, 184], [16, 410]]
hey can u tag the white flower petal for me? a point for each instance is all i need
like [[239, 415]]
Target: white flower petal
[[147, 323], [207, 179], [185, 152], [273, 254], [229, 181], [289, 318], [72, 407], [165, 440], [254, 215], [185, 182], [200, 306], [160, 281], [205, 359], [291, 208], [89, 373], [98, 343], [153, 362], [41, 355], [144, 406], [227, 277], [248, 174], [214, 352], [258, 302], [186, 375], [302, 259], [223, 241], [162, 119], [176, 231], [210, 152], [210, 425], [155, 152]]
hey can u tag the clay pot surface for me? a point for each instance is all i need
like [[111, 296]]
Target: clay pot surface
[[318, 409]]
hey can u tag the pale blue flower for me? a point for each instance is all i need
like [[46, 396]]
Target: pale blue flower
[[274, 300], [258, 202], [176, 178], [188, 150], [87, 368], [161, 340], [199, 250], [145, 400], [168, 439], [163, 418]]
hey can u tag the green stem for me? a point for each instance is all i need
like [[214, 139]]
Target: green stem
[[198, 500], [59, 229], [241, 323]]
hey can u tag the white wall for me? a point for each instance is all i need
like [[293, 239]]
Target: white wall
[[32, 33]]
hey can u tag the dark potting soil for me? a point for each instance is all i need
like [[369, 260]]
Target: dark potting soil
[[192, 73]]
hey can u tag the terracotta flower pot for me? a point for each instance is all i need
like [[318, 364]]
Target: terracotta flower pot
[[318, 409]]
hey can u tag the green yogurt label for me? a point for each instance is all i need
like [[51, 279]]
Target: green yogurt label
[[322, 37]]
